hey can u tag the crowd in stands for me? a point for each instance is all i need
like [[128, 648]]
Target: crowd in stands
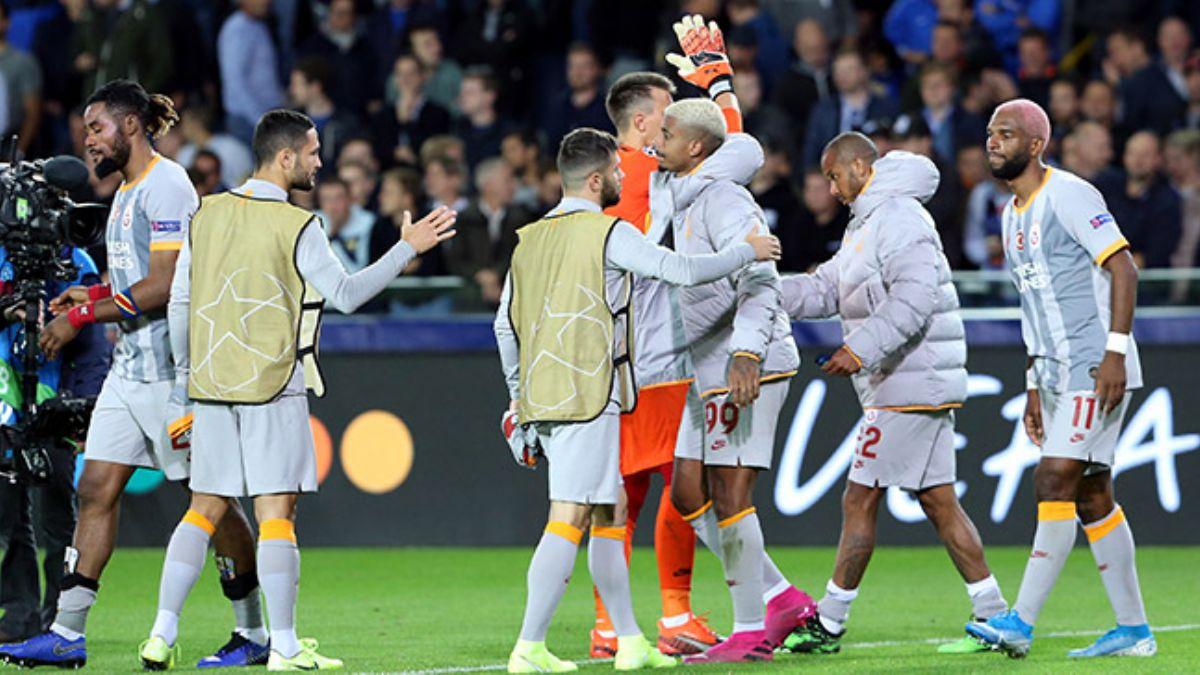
[[420, 103]]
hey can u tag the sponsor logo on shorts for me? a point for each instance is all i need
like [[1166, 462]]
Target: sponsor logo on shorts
[[718, 445], [1077, 437]]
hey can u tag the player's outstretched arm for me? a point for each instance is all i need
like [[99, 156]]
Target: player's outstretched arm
[[506, 341], [630, 251], [811, 296], [347, 292]]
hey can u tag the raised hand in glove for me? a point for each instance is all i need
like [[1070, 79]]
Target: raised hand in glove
[[704, 62]]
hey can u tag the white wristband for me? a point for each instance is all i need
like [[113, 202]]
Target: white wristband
[[1030, 379], [1117, 342]]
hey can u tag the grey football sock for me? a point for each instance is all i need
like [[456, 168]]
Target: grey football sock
[[181, 569], [279, 577], [742, 560], [986, 598], [1052, 544], [610, 573], [549, 573], [834, 608], [1112, 547], [707, 531], [73, 607]]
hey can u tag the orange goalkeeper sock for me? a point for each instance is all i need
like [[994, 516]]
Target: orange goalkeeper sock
[[675, 550]]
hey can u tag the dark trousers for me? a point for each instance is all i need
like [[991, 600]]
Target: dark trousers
[[54, 506]]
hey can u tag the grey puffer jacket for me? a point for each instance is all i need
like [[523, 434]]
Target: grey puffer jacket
[[890, 282]]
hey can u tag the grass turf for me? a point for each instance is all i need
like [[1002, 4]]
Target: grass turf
[[416, 609]]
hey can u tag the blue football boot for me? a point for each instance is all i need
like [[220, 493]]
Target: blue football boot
[[1007, 631], [47, 649], [1120, 641], [237, 652]]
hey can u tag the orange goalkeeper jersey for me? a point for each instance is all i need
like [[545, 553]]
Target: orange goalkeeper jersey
[[634, 207]]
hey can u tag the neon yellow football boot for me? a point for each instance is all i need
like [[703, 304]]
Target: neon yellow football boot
[[306, 659], [533, 657]]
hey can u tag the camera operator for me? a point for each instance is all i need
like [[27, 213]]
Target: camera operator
[[79, 372]]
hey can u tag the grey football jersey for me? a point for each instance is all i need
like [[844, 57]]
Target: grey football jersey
[[1056, 245], [149, 213]]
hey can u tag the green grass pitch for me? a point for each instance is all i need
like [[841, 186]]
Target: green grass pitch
[[450, 610]]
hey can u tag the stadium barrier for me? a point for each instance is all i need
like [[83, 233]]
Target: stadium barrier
[[410, 450]]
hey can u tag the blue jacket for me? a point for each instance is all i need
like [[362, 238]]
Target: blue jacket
[[825, 122], [908, 25], [12, 340]]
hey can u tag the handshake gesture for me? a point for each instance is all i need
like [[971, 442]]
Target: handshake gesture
[[704, 62]]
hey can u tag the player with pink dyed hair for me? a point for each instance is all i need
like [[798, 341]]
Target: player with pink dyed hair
[[1078, 286]]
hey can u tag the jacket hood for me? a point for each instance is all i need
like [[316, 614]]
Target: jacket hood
[[897, 174]]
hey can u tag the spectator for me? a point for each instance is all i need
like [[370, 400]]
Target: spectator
[[487, 230], [952, 127], [823, 221], [1005, 20], [908, 25], [947, 50], [1148, 99], [499, 34], [400, 191], [759, 119], [1174, 44], [196, 126], [411, 118], [550, 191], [1063, 106], [1087, 151], [1036, 69], [359, 149], [1099, 103], [773, 190], [582, 104], [1193, 84], [21, 77], [982, 232], [480, 126], [808, 81], [912, 134], [521, 151], [123, 40], [1182, 155], [1143, 203], [443, 77], [205, 173], [848, 110], [772, 57], [977, 44], [347, 224], [249, 68], [352, 62], [389, 28], [362, 180], [307, 89], [62, 84], [445, 145], [444, 182], [836, 17]]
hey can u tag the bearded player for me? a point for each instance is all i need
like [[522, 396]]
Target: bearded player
[[1078, 286], [128, 429]]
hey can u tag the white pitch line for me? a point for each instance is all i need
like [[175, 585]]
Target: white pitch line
[[849, 645]]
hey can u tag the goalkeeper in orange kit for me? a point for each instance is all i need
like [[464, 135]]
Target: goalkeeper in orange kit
[[635, 103]]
